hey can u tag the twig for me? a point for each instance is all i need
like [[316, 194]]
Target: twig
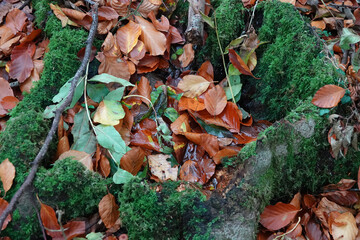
[[223, 59], [27, 2], [39, 219], [12, 205], [252, 16], [284, 234]]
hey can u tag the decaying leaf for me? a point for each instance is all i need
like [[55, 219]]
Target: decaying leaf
[[161, 168], [343, 227], [133, 160], [109, 210], [187, 56], [3, 205]]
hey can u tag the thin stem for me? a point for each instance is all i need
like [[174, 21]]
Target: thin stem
[[152, 106], [252, 15], [223, 59], [284, 234]]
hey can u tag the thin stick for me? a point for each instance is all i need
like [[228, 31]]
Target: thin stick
[[252, 16], [12, 205]]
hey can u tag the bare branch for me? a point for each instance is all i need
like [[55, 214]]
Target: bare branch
[[28, 182]]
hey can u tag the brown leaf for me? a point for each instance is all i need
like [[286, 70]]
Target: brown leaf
[[115, 66], [109, 210], [144, 90], [206, 70], [162, 26], [313, 231], [193, 85], [107, 13], [193, 104], [63, 146], [161, 168], [318, 24], [133, 160], [138, 52], [275, 217], [175, 35], [61, 16], [5, 90], [236, 60], [7, 174], [232, 116], [82, 157], [207, 167], [191, 172], [34, 76], [127, 36], [343, 184], [187, 56], [104, 166], [343, 198], [296, 201], [328, 96], [9, 102], [215, 100], [21, 64], [207, 141], [3, 205], [48, 218], [15, 20], [226, 152], [344, 227], [181, 124], [155, 41]]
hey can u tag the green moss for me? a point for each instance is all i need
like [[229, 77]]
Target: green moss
[[166, 215], [28, 226], [70, 187], [230, 22], [290, 67]]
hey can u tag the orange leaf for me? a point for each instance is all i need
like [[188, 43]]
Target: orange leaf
[[187, 56], [63, 146], [206, 70], [175, 35], [34, 76], [162, 26], [328, 96], [138, 52], [7, 174], [9, 102], [48, 218], [109, 210], [275, 217], [319, 24], [3, 206], [82, 157], [343, 227], [104, 166], [71, 229], [107, 13], [231, 116], [207, 141], [61, 16], [193, 104], [155, 41], [181, 124], [15, 20], [148, 64], [144, 89], [215, 100], [207, 167], [193, 85], [127, 36], [226, 152], [133, 160], [236, 60], [191, 172]]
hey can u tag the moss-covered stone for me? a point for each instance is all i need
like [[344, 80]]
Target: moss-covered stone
[[290, 66], [70, 187], [167, 215], [230, 21]]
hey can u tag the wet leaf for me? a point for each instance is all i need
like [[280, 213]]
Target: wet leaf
[[109, 210], [132, 160], [82, 157], [328, 96], [275, 217], [155, 41], [191, 172], [48, 218], [7, 174], [206, 70], [171, 114], [226, 152], [193, 85], [207, 141], [193, 104], [22, 64], [181, 124], [127, 36], [161, 168], [215, 100], [144, 90]]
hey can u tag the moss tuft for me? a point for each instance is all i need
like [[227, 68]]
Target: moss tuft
[[70, 187], [166, 215]]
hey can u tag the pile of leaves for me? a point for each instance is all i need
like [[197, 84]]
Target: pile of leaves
[[333, 214], [128, 122]]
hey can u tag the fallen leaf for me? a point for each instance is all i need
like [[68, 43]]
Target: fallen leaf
[[187, 56], [132, 160], [344, 227], [109, 112], [236, 60], [207, 141], [61, 16], [215, 100], [193, 104], [191, 172], [82, 157], [328, 96], [226, 152], [275, 217], [206, 70], [21, 64], [7, 174], [181, 124], [162, 26], [161, 168], [48, 218], [3, 205], [144, 90], [9, 102], [15, 20], [155, 41], [127, 36], [193, 85], [109, 210]]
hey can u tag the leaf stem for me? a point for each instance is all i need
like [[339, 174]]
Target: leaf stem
[[223, 59]]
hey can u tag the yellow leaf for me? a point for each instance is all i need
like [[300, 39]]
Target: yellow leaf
[[109, 112]]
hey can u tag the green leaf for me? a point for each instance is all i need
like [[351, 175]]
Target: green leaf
[[107, 78], [122, 176], [171, 114], [348, 37], [179, 51], [94, 236], [208, 20], [49, 111], [79, 91], [116, 95], [236, 91], [324, 111], [109, 138], [172, 93], [235, 43], [86, 143], [81, 125], [173, 56], [215, 130], [143, 173], [97, 92], [356, 61], [345, 99], [233, 71], [63, 92]]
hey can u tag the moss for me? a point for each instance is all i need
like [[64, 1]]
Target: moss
[[69, 186], [166, 215], [290, 67], [230, 22], [29, 228]]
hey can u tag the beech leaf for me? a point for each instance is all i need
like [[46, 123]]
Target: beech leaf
[[82, 157], [127, 36], [187, 56], [236, 60], [193, 85], [275, 217], [215, 100], [132, 160], [344, 227], [7, 174], [109, 138], [109, 210], [3, 205], [48, 218], [161, 168], [109, 112], [328, 96]]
